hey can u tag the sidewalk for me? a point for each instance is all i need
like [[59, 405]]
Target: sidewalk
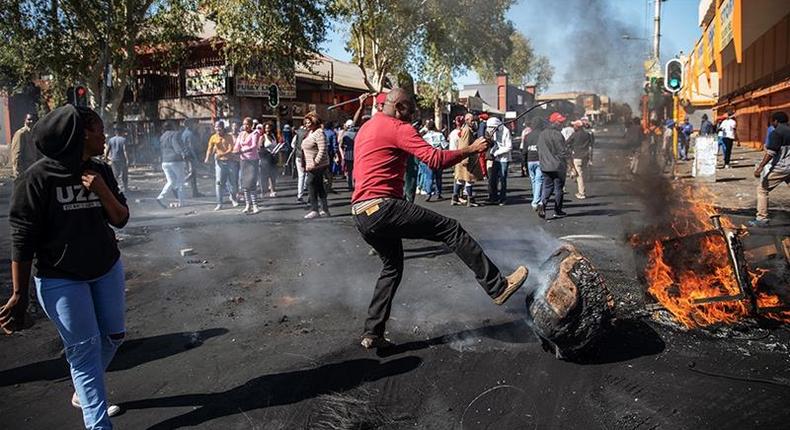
[[735, 189]]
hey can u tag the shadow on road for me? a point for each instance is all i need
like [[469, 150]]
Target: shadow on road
[[275, 390], [131, 354], [627, 340], [511, 332]]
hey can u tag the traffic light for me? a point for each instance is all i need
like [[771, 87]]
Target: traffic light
[[77, 96], [81, 96], [274, 96], [674, 75]]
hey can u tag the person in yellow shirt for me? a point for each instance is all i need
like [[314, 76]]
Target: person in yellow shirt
[[226, 164]]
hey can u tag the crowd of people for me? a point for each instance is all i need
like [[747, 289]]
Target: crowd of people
[[66, 199]]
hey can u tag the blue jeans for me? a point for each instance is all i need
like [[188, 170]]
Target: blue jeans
[[536, 177], [89, 316], [426, 179], [227, 177], [497, 182]]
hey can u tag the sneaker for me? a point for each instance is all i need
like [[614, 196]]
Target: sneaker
[[311, 215], [161, 202], [758, 223], [234, 203], [273, 194], [246, 209], [255, 210], [428, 199], [112, 410], [502, 203], [514, 282], [376, 342], [455, 201], [541, 211], [299, 200], [217, 207], [470, 203], [323, 214], [580, 196], [560, 214]]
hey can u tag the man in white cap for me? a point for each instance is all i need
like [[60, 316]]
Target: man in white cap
[[498, 165]]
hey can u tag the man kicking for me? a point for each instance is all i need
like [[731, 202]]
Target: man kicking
[[384, 218]]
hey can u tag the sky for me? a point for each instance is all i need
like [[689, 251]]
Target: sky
[[559, 33]]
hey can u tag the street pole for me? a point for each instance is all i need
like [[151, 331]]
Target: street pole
[[105, 63], [657, 30], [676, 118]]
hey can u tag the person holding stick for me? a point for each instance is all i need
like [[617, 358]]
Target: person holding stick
[[384, 218]]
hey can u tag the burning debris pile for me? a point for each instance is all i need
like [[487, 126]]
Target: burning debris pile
[[697, 270], [573, 310]]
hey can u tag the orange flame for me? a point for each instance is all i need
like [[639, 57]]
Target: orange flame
[[699, 267]]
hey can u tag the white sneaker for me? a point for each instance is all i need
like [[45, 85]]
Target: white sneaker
[[246, 209], [255, 210], [273, 194], [311, 215], [323, 213], [112, 410], [217, 207], [234, 203]]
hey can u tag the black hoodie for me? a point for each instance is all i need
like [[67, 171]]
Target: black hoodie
[[53, 217]]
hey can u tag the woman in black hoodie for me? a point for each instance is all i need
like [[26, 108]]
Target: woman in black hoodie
[[61, 212]]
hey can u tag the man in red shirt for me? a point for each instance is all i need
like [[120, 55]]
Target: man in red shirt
[[384, 218]]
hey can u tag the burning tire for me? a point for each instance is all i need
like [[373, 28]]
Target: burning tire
[[574, 309]]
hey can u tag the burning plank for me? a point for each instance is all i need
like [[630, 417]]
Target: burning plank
[[574, 309]]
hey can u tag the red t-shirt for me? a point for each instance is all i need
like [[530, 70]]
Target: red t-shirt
[[381, 149]]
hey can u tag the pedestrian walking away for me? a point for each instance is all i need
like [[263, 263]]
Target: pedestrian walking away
[[60, 216], [115, 153], [774, 169], [384, 218], [190, 141], [538, 124], [555, 158], [173, 165], [729, 136]]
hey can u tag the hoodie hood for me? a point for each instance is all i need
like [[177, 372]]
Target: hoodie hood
[[60, 135]]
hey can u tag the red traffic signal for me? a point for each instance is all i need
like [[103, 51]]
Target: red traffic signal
[[81, 91]]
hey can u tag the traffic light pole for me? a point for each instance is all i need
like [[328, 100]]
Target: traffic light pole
[[676, 118]]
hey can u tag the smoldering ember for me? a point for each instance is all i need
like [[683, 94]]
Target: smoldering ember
[[334, 214]]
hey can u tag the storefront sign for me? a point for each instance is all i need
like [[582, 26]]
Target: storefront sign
[[204, 81], [258, 86]]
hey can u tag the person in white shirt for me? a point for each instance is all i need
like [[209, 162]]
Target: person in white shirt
[[727, 128], [432, 179], [497, 170]]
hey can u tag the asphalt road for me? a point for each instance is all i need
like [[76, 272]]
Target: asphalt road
[[259, 329]]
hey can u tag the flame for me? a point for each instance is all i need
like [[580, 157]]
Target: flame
[[697, 266]]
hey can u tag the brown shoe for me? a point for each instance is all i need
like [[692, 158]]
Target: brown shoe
[[514, 282]]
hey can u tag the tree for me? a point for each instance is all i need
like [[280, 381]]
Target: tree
[[71, 40], [435, 40], [522, 65]]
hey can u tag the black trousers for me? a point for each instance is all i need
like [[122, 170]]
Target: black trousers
[[396, 220], [192, 176], [553, 182], [315, 188], [727, 150]]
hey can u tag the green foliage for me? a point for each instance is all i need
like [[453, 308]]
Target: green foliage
[[275, 33]]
